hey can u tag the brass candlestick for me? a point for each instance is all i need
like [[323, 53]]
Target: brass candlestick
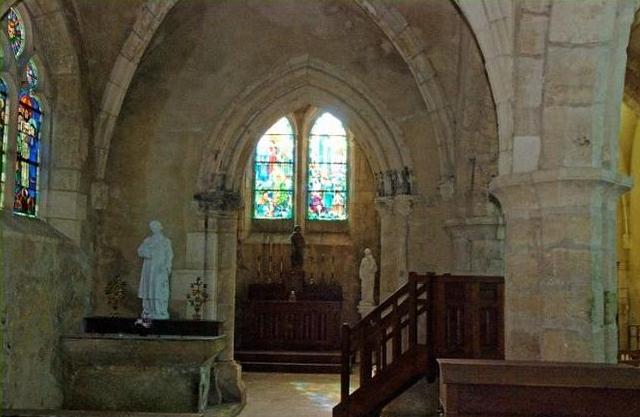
[[114, 292], [197, 297]]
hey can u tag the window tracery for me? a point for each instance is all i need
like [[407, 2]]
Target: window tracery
[[321, 173]]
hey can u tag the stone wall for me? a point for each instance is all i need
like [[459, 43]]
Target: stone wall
[[46, 280]]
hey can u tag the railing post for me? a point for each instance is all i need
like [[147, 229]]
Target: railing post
[[345, 371], [396, 331], [365, 358], [430, 323], [413, 311]]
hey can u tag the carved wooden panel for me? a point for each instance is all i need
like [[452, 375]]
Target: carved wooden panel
[[469, 320], [284, 325]]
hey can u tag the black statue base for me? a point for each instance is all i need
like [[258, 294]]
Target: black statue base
[[126, 325]]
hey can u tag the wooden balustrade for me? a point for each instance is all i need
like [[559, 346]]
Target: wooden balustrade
[[397, 343], [388, 343]]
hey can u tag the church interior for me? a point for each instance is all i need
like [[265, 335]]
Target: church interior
[[396, 208]]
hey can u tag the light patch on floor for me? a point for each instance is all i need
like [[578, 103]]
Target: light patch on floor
[[290, 395]]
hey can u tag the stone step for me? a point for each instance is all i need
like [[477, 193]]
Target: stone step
[[330, 357], [89, 413], [222, 410], [296, 368]]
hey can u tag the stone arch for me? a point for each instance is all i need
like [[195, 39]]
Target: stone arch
[[492, 25], [150, 16], [412, 50], [389, 20], [299, 82]]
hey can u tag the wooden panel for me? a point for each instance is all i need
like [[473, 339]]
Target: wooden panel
[[469, 320], [306, 325], [481, 388]]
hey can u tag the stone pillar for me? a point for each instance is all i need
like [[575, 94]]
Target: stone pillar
[[560, 281], [394, 215], [623, 304], [478, 245], [222, 209]]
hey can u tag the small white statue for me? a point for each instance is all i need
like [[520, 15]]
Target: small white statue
[[154, 281], [368, 269]]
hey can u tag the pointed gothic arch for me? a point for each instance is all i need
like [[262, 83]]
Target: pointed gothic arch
[[297, 83]]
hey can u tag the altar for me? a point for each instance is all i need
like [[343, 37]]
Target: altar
[[274, 319], [284, 330], [152, 373]]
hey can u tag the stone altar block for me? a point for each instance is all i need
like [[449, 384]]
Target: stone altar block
[[141, 373]]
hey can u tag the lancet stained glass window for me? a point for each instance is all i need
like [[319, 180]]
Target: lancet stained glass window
[[274, 173], [31, 75], [15, 32], [327, 186], [28, 154], [4, 122]]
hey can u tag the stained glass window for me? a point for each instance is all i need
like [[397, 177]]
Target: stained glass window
[[327, 185], [4, 120], [15, 32], [31, 76], [28, 154], [274, 173]]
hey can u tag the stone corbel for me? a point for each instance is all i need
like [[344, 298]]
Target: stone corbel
[[472, 234], [218, 200], [403, 205]]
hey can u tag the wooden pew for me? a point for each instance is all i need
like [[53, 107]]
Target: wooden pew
[[489, 388]]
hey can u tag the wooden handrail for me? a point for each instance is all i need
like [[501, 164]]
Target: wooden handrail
[[369, 339], [397, 343]]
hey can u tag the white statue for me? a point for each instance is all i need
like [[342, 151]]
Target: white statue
[[154, 281], [368, 269]]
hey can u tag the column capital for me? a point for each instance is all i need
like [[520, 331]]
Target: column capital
[[401, 205], [557, 188], [219, 201], [384, 205]]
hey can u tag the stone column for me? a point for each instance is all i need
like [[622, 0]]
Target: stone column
[[560, 285], [394, 215], [478, 245], [222, 209]]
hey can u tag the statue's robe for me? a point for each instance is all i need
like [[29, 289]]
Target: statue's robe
[[154, 281]]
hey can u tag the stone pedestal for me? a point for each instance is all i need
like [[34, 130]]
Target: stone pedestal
[[560, 281], [365, 308], [168, 374]]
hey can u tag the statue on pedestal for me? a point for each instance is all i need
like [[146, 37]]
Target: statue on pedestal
[[154, 281], [368, 269]]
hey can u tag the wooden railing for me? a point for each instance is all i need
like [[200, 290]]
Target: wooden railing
[[397, 343], [398, 329]]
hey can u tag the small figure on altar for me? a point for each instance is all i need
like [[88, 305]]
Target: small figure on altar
[[368, 269], [154, 281], [297, 249]]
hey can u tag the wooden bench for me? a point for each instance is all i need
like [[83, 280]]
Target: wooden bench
[[489, 388]]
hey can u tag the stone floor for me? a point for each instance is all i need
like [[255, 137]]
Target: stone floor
[[290, 395]]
